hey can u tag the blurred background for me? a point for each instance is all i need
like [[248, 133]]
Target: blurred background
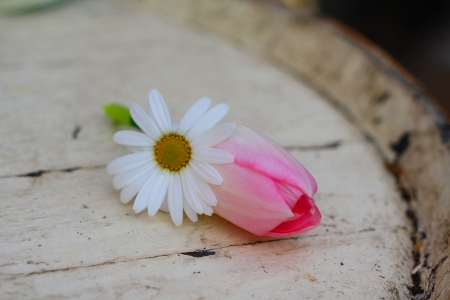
[[415, 32]]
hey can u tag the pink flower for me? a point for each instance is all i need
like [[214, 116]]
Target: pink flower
[[265, 191]]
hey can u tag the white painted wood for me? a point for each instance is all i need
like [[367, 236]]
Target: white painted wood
[[66, 235], [71, 228], [67, 72]]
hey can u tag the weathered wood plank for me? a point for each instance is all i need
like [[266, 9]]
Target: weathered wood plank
[[69, 227], [68, 78], [95, 208], [233, 272], [368, 87]]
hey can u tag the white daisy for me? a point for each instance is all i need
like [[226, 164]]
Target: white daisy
[[170, 168]]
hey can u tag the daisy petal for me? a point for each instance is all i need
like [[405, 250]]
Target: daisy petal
[[206, 172], [123, 179], [214, 135], [208, 120], [164, 206], [192, 215], [128, 162], [193, 114], [131, 190], [190, 195], [132, 138], [175, 199], [204, 192], [139, 206], [144, 121], [142, 198], [138, 149], [207, 210], [158, 192], [159, 110], [212, 156]]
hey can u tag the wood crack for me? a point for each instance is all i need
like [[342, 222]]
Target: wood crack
[[198, 253], [39, 173], [432, 278], [331, 145]]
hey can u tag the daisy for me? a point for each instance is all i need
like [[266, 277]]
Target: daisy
[[171, 166]]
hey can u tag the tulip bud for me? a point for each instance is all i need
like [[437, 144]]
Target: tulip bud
[[266, 190]]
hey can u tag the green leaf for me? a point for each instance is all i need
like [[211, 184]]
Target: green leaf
[[119, 114], [26, 6]]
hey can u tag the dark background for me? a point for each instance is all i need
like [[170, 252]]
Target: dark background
[[416, 33]]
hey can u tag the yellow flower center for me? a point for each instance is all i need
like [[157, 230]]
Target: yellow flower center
[[172, 152]]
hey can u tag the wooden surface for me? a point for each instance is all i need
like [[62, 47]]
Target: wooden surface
[[332, 103]]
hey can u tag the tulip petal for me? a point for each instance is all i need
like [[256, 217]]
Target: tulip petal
[[212, 156], [307, 217], [193, 114], [255, 151], [132, 138], [290, 193], [250, 199], [208, 120]]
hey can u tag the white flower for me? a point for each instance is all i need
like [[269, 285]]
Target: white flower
[[171, 165]]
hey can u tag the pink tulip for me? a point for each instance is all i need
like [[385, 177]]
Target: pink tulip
[[265, 191]]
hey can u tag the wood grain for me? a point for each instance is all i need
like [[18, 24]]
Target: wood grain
[[335, 104]]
